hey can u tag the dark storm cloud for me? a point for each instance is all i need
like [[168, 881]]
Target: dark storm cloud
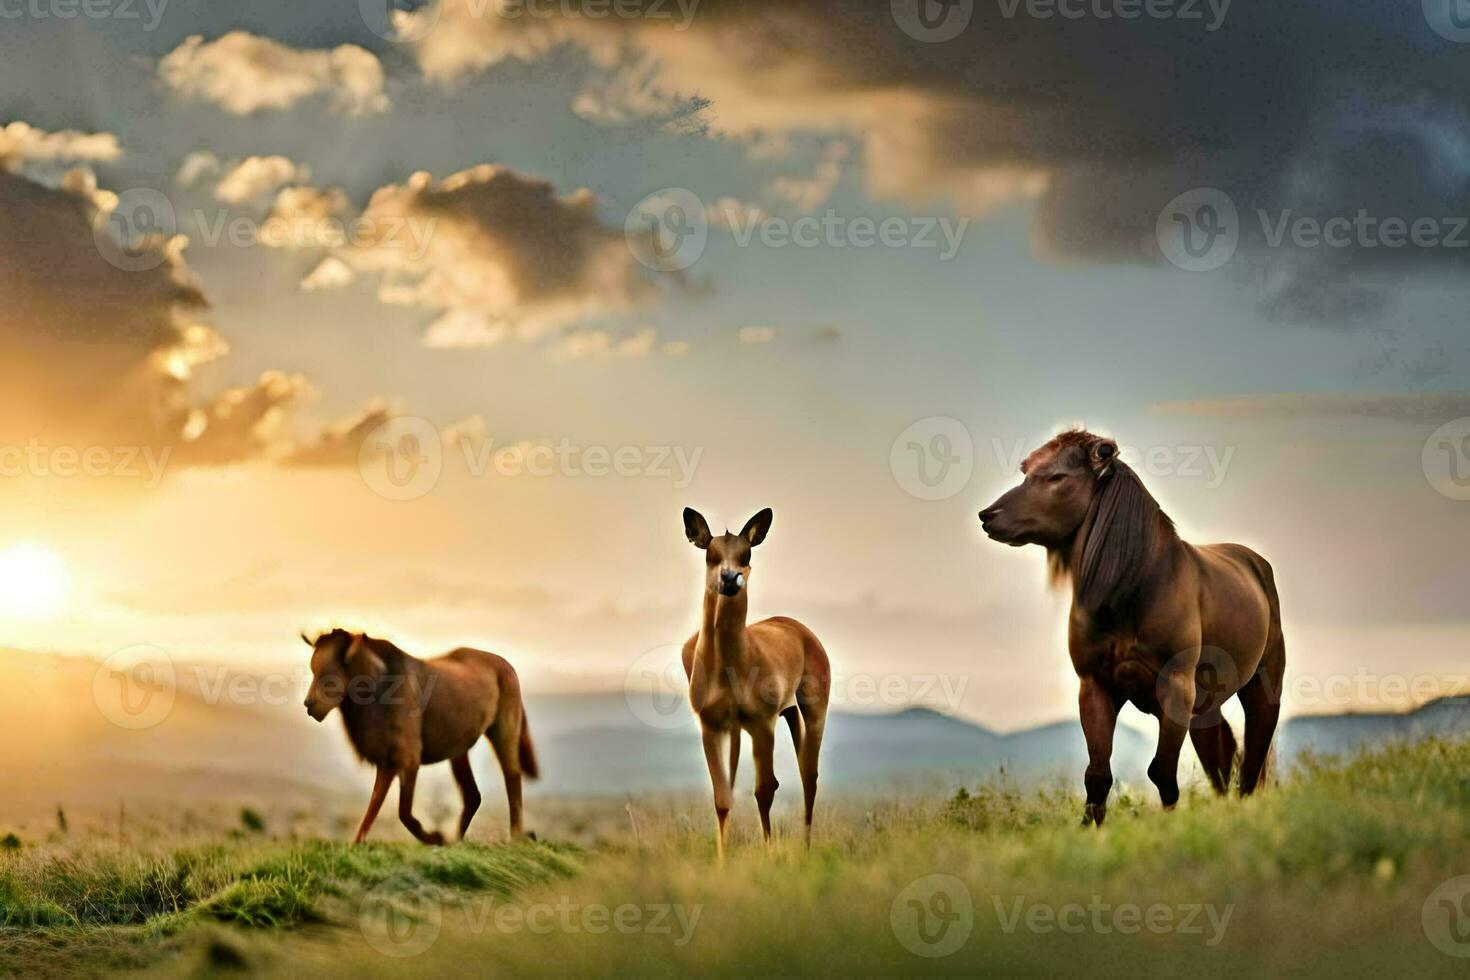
[[1340, 131]]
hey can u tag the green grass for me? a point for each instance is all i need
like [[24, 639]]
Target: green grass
[[93, 906], [1328, 872]]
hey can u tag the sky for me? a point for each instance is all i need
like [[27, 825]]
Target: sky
[[431, 324]]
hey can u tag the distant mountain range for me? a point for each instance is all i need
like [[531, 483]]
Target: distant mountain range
[[55, 744]]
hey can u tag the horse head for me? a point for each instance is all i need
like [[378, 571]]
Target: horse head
[[1076, 491]]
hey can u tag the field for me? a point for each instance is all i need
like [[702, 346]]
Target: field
[[1340, 868]]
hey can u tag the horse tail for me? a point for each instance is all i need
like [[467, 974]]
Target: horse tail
[[527, 750]]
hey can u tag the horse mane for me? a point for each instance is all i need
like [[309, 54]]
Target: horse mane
[[1126, 537]]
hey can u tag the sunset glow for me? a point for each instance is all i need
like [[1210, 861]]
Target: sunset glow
[[33, 582]]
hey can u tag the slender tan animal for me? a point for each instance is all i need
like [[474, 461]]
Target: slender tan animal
[[747, 676], [402, 713]]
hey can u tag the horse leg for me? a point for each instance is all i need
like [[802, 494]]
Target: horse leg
[[724, 794], [734, 756], [763, 751], [406, 781], [1099, 712], [806, 759], [1261, 698], [381, 783], [505, 739], [1176, 711], [1216, 750], [468, 791]]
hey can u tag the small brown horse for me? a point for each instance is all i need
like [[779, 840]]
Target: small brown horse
[[402, 713], [747, 676], [1172, 627]]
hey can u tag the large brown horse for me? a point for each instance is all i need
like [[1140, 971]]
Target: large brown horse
[[1172, 627]]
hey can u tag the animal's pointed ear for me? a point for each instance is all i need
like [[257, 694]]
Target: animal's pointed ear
[[308, 641], [696, 528], [360, 658], [1101, 456], [757, 527]]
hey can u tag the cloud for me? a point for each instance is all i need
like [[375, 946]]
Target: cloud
[[757, 335], [197, 166], [340, 443], [581, 344], [101, 340], [330, 273], [806, 194], [255, 177], [1429, 406], [1287, 108], [21, 143], [310, 217], [243, 74], [494, 253]]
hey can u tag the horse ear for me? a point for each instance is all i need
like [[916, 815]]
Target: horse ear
[[1101, 456], [757, 527], [696, 528], [360, 658]]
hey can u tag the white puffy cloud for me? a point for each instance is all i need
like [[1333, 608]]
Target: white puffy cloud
[[601, 343], [330, 273], [243, 73], [254, 178], [22, 143]]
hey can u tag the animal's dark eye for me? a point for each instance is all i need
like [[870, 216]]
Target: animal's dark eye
[[1056, 478]]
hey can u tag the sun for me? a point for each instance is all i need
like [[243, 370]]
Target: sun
[[33, 582]]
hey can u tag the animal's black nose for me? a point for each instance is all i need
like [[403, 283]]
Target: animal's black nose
[[728, 577], [989, 514]]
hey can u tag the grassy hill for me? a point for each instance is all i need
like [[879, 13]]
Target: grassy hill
[[1343, 868]]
